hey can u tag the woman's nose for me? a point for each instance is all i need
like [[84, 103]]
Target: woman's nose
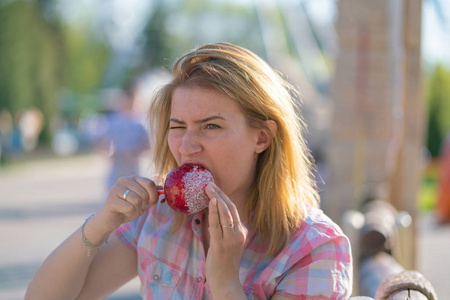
[[190, 144]]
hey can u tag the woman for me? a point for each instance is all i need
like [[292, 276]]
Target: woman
[[262, 235]]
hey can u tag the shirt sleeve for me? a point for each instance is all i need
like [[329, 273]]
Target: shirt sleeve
[[326, 271], [129, 233]]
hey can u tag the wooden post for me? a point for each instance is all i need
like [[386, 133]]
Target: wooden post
[[406, 175], [378, 123]]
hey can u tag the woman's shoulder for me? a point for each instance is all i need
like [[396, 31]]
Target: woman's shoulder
[[316, 219], [317, 229], [318, 253]]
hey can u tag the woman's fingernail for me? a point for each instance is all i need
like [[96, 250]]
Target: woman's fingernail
[[211, 187]]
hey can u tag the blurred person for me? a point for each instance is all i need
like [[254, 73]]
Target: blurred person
[[6, 128], [262, 235], [30, 125], [16, 135], [123, 137]]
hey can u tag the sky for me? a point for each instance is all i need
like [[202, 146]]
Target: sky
[[125, 20], [435, 34]]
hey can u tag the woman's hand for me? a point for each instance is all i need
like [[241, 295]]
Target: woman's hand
[[128, 199], [71, 270], [227, 239]]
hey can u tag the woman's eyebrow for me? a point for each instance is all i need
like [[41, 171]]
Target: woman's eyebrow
[[209, 119], [175, 120]]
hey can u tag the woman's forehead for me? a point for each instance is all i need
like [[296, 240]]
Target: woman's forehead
[[195, 104], [201, 98]]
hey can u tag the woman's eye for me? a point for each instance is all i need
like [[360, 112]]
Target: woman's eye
[[176, 127], [212, 126]]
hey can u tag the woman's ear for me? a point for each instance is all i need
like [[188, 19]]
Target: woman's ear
[[265, 135]]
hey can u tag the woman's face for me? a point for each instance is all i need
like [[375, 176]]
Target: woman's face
[[208, 128]]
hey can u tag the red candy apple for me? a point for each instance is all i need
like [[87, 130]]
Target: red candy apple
[[184, 188]]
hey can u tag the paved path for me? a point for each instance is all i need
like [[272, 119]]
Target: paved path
[[42, 202]]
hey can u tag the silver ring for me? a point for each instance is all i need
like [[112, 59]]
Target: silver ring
[[125, 195], [228, 226]]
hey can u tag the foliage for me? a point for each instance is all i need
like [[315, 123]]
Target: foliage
[[39, 56], [438, 103], [173, 28], [156, 38], [86, 60], [30, 59], [428, 188]]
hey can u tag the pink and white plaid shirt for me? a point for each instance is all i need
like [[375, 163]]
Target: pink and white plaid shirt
[[316, 264]]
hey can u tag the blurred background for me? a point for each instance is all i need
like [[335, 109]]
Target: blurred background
[[76, 79]]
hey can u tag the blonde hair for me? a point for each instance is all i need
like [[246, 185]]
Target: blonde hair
[[284, 183]]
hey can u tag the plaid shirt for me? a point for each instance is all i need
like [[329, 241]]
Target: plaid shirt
[[316, 264]]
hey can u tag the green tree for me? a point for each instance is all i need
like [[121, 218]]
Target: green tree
[[86, 58], [173, 27], [438, 102], [30, 60], [40, 55]]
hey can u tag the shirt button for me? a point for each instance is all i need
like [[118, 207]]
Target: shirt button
[[199, 279], [197, 221], [155, 277]]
